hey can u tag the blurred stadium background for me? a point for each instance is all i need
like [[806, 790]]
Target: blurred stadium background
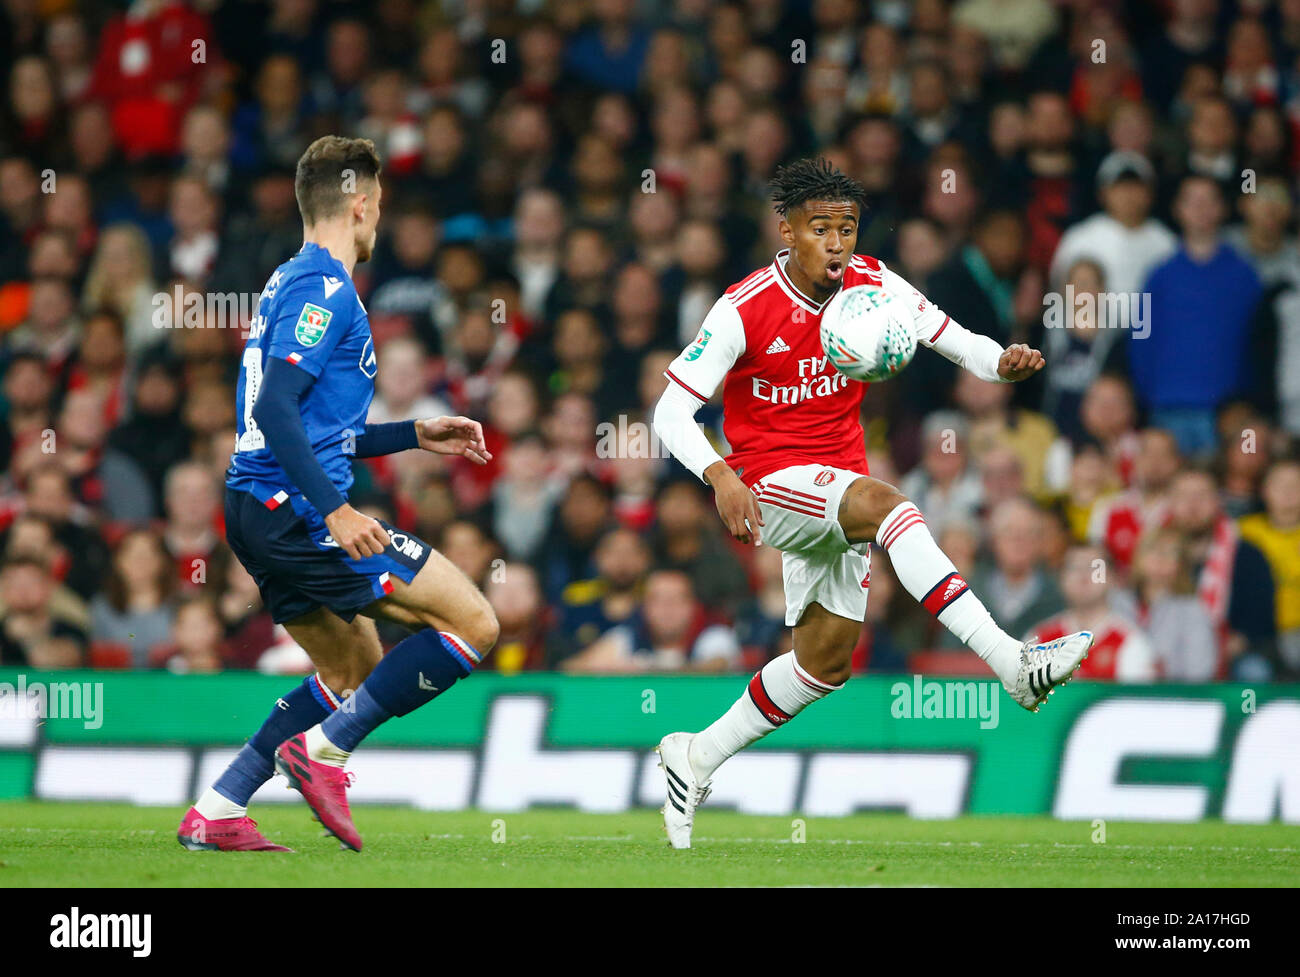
[[568, 188]]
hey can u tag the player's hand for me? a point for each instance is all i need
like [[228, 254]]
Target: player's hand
[[358, 534], [453, 436], [736, 502], [1019, 362]]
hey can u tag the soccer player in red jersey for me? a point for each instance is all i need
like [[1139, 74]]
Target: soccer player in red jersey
[[797, 477]]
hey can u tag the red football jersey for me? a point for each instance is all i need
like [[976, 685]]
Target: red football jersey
[[783, 403]]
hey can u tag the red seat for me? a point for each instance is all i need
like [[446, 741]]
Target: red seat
[[109, 654]]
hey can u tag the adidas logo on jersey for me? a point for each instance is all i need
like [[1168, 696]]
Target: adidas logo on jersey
[[778, 346]]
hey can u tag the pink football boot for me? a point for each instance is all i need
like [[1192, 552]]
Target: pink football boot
[[322, 786], [198, 833]]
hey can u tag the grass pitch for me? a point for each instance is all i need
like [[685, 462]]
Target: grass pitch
[[117, 845]]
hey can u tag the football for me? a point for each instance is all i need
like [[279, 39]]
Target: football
[[868, 333]]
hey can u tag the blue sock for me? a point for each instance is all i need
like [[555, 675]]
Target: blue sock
[[296, 712], [417, 670]]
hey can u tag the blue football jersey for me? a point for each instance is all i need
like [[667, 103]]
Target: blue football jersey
[[309, 314]]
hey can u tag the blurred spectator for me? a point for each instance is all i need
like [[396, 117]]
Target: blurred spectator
[[1088, 342], [196, 638], [48, 495], [944, 486], [134, 609], [245, 623], [152, 436], [1276, 531], [1013, 27], [402, 385], [995, 424], [670, 632], [590, 607], [1108, 416], [539, 235], [148, 74], [1176, 623], [195, 217], [31, 634], [1246, 446], [526, 641], [402, 281], [688, 537], [1124, 239], [34, 535], [120, 279], [101, 476], [1016, 589], [470, 549], [1234, 581], [1118, 522], [28, 389], [568, 554], [190, 536], [1203, 303], [1121, 652], [271, 129], [100, 364], [524, 496]]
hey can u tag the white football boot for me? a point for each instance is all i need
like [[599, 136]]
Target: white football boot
[[684, 793], [1045, 666]]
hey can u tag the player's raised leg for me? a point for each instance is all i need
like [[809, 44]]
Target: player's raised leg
[[344, 654], [875, 511], [458, 627]]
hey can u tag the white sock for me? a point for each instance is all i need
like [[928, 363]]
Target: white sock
[[218, 807], [320, 749], [776, 694], [928, 575]]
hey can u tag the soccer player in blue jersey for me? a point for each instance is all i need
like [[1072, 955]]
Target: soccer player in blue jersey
[[325, 570]]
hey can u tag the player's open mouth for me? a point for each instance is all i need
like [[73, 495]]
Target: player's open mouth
[[834, 270]]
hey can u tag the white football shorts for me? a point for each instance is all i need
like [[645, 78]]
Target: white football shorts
[[800, 507]]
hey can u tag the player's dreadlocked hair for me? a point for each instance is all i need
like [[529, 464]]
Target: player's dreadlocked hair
[[814, 179]]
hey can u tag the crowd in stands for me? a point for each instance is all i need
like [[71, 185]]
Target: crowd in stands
[[568, 187]]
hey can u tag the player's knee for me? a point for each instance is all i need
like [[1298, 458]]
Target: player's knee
[[478, 625], [835, 673], [865, 507], [484, 629]]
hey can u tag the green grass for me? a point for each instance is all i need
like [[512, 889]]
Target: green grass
[[51, 844]]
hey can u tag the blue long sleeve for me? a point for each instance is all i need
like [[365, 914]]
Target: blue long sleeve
[[387, 439], [279, 417]]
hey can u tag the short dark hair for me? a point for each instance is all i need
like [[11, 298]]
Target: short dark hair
[[815, 178], [318, 183]]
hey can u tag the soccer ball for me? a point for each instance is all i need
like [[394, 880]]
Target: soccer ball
[[867, 333]]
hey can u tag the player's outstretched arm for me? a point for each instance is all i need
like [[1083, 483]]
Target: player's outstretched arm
[[981, 355], [441, 435], [453, 436], [279, 416]]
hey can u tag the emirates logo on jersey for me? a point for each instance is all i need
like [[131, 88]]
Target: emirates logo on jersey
[[808, 388]]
